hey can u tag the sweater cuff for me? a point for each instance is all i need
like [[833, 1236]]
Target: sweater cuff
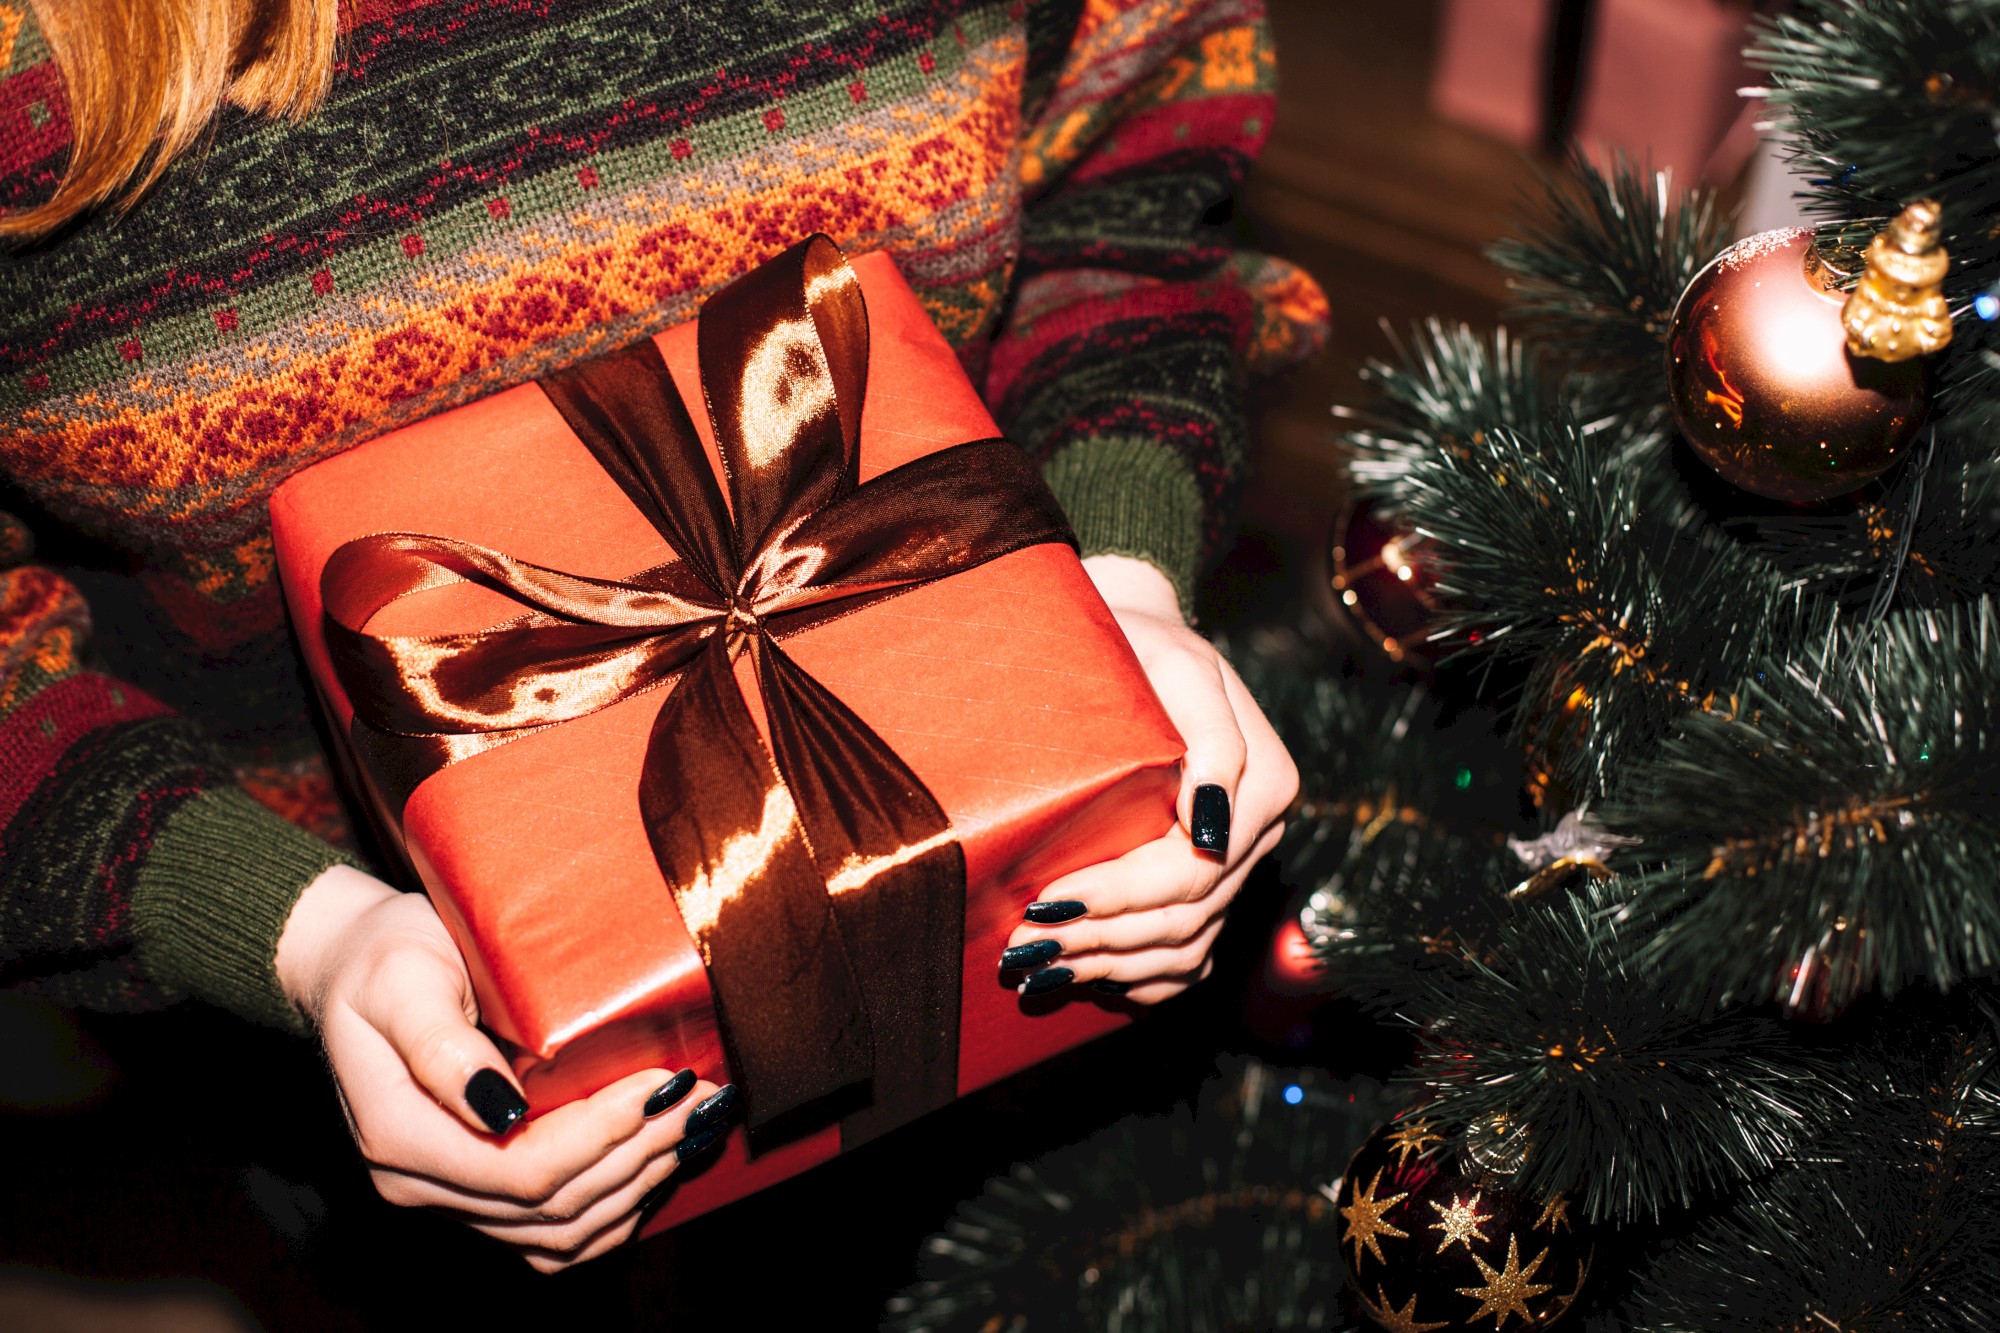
[[1129, 495], [212, 899]]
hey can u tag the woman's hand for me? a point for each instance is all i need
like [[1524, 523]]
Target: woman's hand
[[1143, 925], [432, 1104]]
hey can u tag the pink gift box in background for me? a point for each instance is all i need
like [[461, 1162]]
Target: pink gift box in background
[[1656, 79]]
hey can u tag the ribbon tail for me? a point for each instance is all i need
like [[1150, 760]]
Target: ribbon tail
[[726, 832], [895, 874]]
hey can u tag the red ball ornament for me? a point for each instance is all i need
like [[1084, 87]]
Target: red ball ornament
[[1294, 967], [1432, 1245], [1762, 382], [1383, 574]]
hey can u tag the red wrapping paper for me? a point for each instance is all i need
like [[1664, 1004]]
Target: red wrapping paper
[[1008, 689], [1658, 79]]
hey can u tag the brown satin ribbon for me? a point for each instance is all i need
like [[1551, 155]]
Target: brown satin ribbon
[[819, 878]]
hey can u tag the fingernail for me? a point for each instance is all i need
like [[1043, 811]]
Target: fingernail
[[1046, 980], [694, 1145], [1106, 986], [670, 1093], [1032, 954], [1055, 913], [1209, 827], [494, 1100], [712, 1111], [657, 1195]]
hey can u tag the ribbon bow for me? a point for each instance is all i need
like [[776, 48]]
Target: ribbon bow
[[819, 878]]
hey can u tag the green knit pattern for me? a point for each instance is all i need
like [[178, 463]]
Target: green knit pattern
[[1132, 495], [210, 902]]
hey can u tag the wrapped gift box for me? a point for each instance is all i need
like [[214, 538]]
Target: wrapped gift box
[[1656, 79], [1007, 689]]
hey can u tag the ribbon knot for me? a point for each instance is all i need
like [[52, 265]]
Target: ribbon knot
[[741, 625], [818, 877]]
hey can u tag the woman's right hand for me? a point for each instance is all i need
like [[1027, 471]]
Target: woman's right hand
[[433, 1106]]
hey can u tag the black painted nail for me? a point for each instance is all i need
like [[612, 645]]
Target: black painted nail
[[1209, 826], [1106, 986], [1046, 980], [694, 1145], [712, 1111], [657, 1195], [1032, 954], [1055, 913], [494, 1100], [670, 1093]]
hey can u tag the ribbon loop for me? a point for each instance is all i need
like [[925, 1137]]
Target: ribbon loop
[[819, 878]]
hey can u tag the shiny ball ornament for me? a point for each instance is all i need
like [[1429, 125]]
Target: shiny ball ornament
[[1293, 966], [1763, 384], [1432, 1245], [1383, 575]]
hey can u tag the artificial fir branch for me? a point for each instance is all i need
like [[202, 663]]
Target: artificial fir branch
[[1950, 558], [1398, 840], [1597, 280], [1447, 386], [1886, 101], [1556, 552], [1889, 1219], [1211, 1219], [1842, 822], [1572, 1056]]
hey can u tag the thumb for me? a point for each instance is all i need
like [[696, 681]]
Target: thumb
[[1192, 689], [420, 1001]]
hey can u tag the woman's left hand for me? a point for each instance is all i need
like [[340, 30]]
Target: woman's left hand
[[1143, 925]]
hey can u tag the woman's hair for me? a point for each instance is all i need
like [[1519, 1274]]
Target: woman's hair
[[144, 78]]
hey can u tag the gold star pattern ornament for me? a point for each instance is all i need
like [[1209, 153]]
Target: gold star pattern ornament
[[1434, 1243], [1364, 1221]]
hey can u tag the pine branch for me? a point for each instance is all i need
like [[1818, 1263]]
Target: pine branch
[[1632, 612], [1951, 556], [1887, 101], [1398, 838], [1447, 386], [1598, 279], [1209, 1219], [1579, 1058], [1889, 1219], [1842, 821]]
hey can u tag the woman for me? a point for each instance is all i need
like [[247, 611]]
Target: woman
[[251, 233]]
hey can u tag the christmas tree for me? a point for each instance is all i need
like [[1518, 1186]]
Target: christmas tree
[[1683, 868], [1721, 535]]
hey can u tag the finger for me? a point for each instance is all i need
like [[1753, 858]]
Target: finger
[[623, 1164], [529, 1167], [1128, 969], [1164, 927], [545, 1262], [1154, 992], [1270, 776], [569, 1237], [1191, 687], [1135, 928], [419, 1003], [1153, 874]]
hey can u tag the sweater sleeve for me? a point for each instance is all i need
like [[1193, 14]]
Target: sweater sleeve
[[1122, 361], [133, 870]]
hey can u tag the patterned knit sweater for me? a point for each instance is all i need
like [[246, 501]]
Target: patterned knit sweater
[[494, 189]]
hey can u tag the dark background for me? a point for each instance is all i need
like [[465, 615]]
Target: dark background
[[185, 1171]]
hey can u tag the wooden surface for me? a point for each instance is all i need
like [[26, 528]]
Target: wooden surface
[[1389, 207]]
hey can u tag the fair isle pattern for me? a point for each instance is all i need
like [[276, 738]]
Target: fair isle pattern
[[495, 189], [267, 376]]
